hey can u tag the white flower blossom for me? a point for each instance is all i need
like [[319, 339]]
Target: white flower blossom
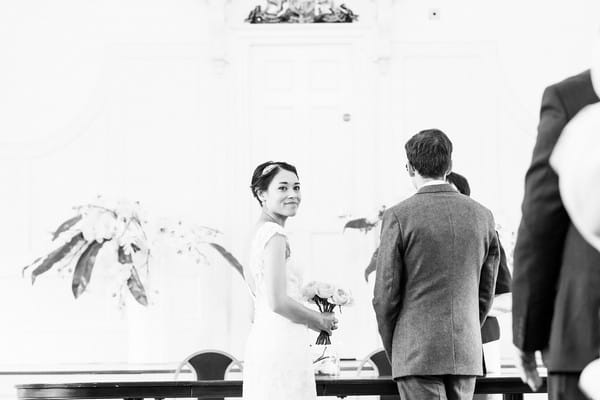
[[309, 290], [325, 290], [341, 297]]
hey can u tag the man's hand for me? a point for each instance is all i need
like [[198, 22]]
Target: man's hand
[[588, 380], [527, 367]]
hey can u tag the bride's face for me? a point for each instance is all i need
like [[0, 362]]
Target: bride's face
[[283, 194]]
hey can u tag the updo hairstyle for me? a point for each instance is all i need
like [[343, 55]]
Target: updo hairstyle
[[264, 174]]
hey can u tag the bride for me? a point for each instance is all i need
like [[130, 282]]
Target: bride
[[277, 363]]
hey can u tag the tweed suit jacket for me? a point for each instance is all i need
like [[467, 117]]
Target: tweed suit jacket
[[436, 271], [556, 275]]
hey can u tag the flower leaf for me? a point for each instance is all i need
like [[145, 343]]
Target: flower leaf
[[372, 266], [360, 223], [55, 256], [229, 257], [66, 225], [136, 288], [124, 258], [27, 266], [84, 267]]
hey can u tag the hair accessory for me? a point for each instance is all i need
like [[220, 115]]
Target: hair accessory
[[269, 168]]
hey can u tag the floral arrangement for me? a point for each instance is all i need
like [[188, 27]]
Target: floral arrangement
[[121, 227], [326, 297], [365, 225], [325, 360]]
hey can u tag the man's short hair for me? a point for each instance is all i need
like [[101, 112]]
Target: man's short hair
[[430, 153]]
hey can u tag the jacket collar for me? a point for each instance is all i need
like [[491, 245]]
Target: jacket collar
[[444, 187]]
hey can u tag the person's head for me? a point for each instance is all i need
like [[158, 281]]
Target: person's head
[[459, 182], [429, 153], [276, 187]]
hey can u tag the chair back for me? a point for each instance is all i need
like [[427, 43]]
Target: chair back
[[210, 365], [378, 359]]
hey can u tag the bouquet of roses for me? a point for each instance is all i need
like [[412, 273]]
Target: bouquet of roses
[[326, 297]]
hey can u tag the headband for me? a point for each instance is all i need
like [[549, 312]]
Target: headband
[[269, 168]]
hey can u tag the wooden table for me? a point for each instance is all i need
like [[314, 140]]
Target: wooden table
[[511, 387]]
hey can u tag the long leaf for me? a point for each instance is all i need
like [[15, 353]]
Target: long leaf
[[30, 265], [66, 225], [230, 258], [56, 256], [372, 265], [84, 267], [136, 288], [360, 223]]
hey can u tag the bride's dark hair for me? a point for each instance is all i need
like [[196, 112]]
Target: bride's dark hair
[[264, 174]]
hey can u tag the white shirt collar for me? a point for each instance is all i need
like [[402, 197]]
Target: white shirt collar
[[434, 182]]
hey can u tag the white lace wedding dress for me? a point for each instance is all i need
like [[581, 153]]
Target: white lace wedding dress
[[277, 363]]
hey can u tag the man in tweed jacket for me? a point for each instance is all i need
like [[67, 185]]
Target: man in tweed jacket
[[436, 271]]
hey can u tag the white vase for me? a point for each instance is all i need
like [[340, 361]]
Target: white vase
[[326, 361]]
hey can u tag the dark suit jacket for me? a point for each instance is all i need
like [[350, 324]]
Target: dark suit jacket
[[556, 275], [436, 270]]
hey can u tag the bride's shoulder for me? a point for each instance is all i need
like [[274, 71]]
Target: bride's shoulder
[[264, 231], [268, 226]]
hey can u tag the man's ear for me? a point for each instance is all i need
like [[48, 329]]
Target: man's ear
[[411, 170]]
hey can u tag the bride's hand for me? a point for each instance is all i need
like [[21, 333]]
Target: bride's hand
[[325, 322]]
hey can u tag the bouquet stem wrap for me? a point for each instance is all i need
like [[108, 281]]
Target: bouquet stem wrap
[[324, 306]]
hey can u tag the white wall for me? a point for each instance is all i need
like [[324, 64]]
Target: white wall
[[120, 99], [147, 100]]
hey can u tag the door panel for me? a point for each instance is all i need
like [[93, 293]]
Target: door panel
[[298, 96]]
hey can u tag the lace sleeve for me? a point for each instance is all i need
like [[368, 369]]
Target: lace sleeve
[[263, 235]]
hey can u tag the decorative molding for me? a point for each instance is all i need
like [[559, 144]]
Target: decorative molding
[[219, 12], [384, 35], [300, 11]]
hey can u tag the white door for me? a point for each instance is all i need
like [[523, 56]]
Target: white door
[[303, 109]]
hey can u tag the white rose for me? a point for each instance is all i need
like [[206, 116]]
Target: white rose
[[309, 290], [341, 297], [324, 290]]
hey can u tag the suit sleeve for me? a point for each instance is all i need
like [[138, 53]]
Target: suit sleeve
[[489, 274], [541, 235], [387, 294]]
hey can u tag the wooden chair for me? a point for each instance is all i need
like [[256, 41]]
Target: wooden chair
[[209, 365], [382, 367]]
